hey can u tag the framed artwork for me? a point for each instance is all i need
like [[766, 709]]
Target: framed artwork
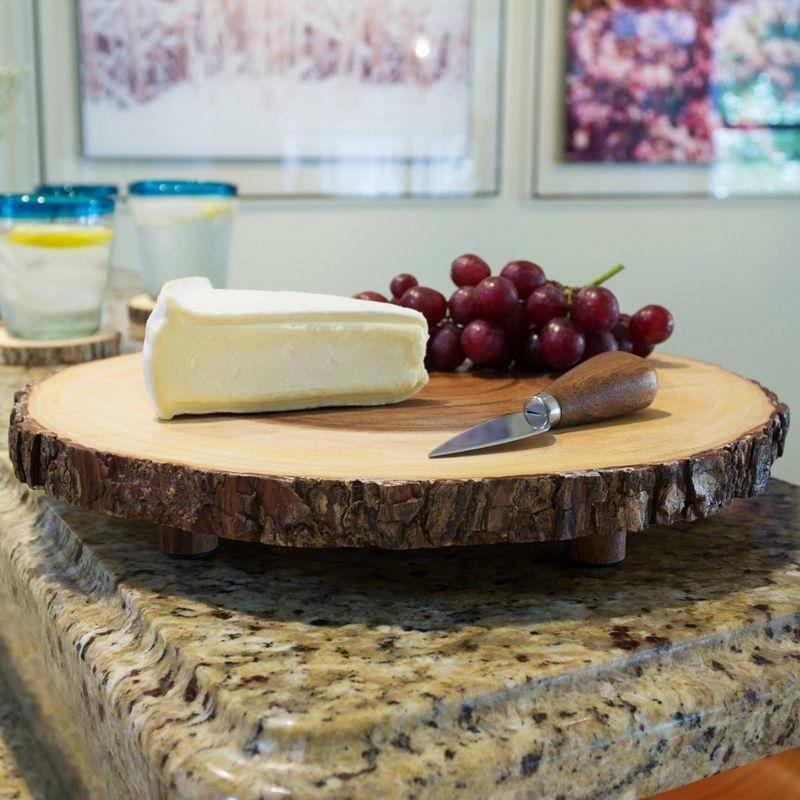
[[757, 97], [283, 97], [638, 82], [19, 151], [669, 97]]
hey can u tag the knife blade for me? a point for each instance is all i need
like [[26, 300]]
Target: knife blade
[[606, 386]]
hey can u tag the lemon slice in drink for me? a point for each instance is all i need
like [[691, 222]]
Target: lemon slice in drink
[[212, 209], [60, 236], [194, 211], [166, 212], [205, 209]]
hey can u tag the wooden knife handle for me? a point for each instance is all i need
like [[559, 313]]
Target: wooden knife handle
[[608, 385]]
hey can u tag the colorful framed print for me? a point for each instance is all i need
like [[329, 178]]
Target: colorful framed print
[[669, 97], [638, 82]]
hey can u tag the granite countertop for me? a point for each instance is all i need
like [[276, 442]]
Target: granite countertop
[[475, 672], [500, 672], [25, 770]]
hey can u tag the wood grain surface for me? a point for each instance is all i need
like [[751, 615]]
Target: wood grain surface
[[46, 352], [361, 476], [185, 543], [775, 778], [140, 307], [609, 385], [607, 549]]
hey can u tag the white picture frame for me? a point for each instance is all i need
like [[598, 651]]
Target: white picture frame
[[475, 174]]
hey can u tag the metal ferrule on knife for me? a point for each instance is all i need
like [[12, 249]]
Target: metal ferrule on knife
[[542, 411]]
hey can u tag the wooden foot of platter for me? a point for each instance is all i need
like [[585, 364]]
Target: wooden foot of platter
[[46, 352], [608, 549], [361, 477], [139, 308], [186, 544]]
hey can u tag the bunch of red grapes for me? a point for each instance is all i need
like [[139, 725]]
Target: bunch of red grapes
[[520, 318]]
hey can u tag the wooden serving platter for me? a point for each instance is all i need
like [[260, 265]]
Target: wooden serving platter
[[362, 477]]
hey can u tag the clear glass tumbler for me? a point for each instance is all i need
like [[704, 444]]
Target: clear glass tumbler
[[184, 229], [54, 264], [110, 190]]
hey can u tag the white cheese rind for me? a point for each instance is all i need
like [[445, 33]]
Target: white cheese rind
[[212, 350]]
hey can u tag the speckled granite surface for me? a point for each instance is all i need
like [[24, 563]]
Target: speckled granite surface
[[477, 673], [25, 771]]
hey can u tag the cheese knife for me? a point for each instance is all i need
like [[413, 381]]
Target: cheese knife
[[606, 386]]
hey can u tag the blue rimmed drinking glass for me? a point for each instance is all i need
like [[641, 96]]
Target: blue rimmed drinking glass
[[54, 264], [184, 229], [110, 190]]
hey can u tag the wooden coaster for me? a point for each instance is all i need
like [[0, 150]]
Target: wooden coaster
[[139, 308], [45, 352]]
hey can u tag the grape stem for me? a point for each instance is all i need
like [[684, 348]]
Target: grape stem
[[606, 275]]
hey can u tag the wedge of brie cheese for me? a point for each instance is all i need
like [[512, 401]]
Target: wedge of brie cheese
[[212, 350]]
